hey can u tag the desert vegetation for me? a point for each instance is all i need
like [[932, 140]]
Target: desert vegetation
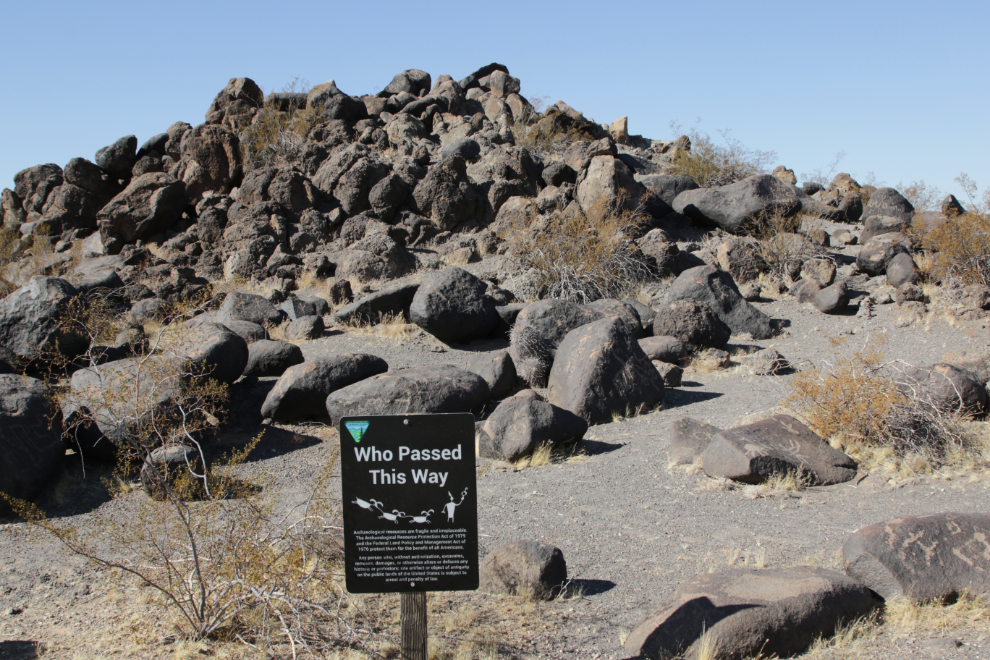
[[690, 375]]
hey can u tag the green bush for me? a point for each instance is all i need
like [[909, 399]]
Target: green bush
[[712, 164]]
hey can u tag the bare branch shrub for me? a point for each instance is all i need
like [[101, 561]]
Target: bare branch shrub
[[821, 176], [581, 256], [867, 401], [711, 164], [223, 553]]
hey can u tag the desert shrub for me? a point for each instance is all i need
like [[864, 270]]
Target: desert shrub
[[960, 248], [869, 402], [779, 246], [551, 132], [276, 137], [821, 176], [223, 554], [712, 164], [581, 256]]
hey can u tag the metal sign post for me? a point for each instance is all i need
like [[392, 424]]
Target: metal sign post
[[409, 487]]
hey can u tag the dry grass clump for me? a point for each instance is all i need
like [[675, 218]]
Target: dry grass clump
[[390, 326], [581, 256], [959, 247], [712, 164], [275, 136], [549, 454], [862, 404]]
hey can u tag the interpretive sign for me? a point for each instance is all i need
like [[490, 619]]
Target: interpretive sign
[[409, 487]]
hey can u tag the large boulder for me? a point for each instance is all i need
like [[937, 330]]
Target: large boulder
[[445, 196], [30, 318], [394, 302], [301, 392], [732, 206], [776, 446], [925, 558], [120, 398], [692, 324], [774, 612], [715, 289], [375, 257], [667, 187], [877, 253], [440, 389], [498, 370], [452, 306], [31, 447], [664, 348], [524, 568], [519, 425], [890, 203], [118, 158], [33, 186], [271, 358], [239, 306], [151, 203], [239, 97], [607, 181], [212, 350], [211, 161], [600, 370], [538, 328], [946, 388]]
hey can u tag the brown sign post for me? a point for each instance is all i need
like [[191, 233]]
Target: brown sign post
[[409, 487]]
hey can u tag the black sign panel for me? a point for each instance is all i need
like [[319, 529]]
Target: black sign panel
[[410, 503]]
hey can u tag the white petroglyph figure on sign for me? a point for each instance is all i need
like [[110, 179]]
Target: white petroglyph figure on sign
[[451, 505]]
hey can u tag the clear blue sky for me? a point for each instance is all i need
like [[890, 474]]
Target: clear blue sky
[[901, 88]]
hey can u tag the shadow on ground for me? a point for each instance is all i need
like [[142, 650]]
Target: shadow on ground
[[20, 650]]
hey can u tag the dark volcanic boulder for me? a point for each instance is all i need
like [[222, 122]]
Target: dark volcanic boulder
[[890, 203], [832, 299], [452, 306], [600, 370], [271, 358], [878, 252], [664, 348], [774, 612], [693, 324], [715, 289], [524, 568], [211, 161], [775, 446], [302, 390], [305, 327], [392, 302], [31, 447], [901, 270], [33, 185], [239, 306], [667, 187], [149, 204], [689, 439], [539, 327], [439, 389], [925, 558], [731, 207], [29, 318], [946, 388], [445, 196], [497, 369], [118, 158], [518, 426], [214, 350]]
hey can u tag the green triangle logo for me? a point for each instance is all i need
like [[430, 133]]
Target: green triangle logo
[[357, 429]]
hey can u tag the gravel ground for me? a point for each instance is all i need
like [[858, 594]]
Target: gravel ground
[[630, 528]]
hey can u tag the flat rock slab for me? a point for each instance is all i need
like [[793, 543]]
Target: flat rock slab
[[600, 370], [664, 348], [925, 558], [689, 439], [753, 453], [440, 389], [393, 302], [750, 612]]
